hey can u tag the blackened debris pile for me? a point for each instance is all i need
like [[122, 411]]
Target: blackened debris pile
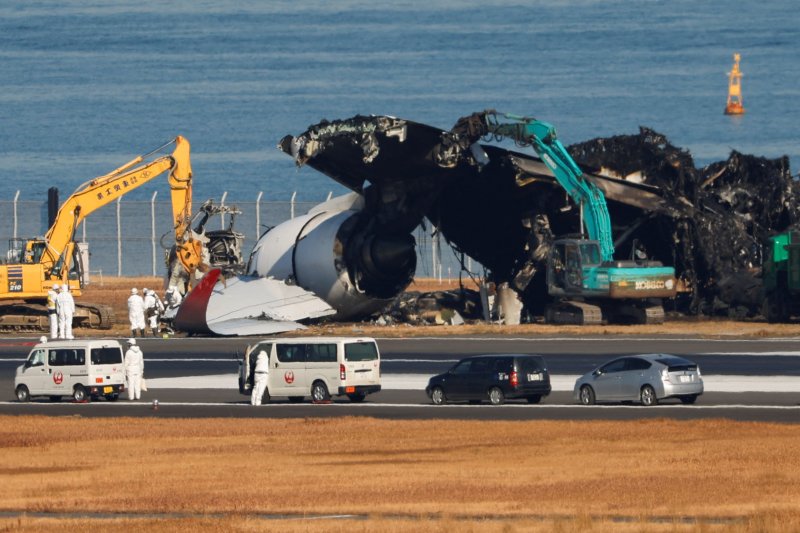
[[502, 207], [719, 218]]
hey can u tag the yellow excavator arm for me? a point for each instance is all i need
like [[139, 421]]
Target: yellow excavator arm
[[101, 191]]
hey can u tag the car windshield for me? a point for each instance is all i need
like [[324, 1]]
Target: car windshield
[[360, 351], [677, 364]]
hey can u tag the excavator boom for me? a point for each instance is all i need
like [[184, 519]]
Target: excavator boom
[[42, 262]]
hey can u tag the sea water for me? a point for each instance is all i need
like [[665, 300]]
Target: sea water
[[86, 85]]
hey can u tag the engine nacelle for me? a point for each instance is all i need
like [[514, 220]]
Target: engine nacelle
[[337, 256]]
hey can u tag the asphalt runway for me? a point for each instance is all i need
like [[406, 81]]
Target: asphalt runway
[[746, 379]]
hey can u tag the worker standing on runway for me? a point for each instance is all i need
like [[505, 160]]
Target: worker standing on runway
[[136, 312], [260, 379], [65, 306], [134, 368], [52, 312]]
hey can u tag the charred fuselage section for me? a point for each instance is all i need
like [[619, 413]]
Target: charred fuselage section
[[504, 208]]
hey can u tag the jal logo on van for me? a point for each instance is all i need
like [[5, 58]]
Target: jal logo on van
[[288, 377], [58, 377]]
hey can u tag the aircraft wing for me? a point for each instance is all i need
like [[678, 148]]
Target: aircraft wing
[[247, 305]]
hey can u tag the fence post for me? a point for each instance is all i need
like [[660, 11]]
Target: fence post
[[294, 194], [222, 213], [258, 214], [119, 238], [16, 197], [433, 251], [153, 228]]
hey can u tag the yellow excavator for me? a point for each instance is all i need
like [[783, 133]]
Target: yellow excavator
[[34, 265]]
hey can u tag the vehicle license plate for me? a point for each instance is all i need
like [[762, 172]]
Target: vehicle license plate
[[107, 390], [686, 379], [534, 377]]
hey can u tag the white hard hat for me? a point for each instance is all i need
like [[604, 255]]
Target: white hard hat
[[132, 342], [43, 339], [56, 286], [134, 291]]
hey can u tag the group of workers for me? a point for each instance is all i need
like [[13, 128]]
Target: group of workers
[[60, 310], [147, 312]]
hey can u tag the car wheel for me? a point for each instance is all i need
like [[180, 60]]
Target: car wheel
[[496, 396], [79, 394], [587, 395], [319, 392], [689, 399], [437, 396], [265, 398], [296, 399], [23, 394], [648, 396], [534, 399], [357, 397]]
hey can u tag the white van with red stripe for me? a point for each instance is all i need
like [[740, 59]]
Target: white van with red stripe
[[319, 367], [82, 369]]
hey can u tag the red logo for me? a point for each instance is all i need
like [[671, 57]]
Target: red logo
[[58, 377], [288, 377]]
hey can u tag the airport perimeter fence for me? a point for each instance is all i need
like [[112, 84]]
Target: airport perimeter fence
[[130, 238]]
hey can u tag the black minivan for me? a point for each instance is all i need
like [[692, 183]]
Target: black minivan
[[494, 377]]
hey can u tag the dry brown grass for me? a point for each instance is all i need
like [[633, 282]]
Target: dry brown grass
[[402, 475], [115, 291]]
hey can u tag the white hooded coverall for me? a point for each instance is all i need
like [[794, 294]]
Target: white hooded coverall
[[52, 313], [66, 308], [134, 368], [260, 378], [136, 312]]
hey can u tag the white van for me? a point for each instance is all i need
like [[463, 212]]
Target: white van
[[315, 366], [82, 369]]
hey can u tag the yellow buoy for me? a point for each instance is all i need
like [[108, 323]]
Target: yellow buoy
[[734, 106]]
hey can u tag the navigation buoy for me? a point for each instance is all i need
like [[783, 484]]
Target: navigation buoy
[[734, 106]]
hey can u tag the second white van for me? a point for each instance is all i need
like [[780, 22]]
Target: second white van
[[319, 367]]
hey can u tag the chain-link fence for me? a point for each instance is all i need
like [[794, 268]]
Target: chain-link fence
[[129, 238]]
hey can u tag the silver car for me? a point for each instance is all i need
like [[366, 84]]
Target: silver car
[[643, 378]]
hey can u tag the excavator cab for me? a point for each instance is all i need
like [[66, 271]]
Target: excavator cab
[[566, 267]]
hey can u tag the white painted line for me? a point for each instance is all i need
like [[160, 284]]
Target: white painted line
[[559, 382]]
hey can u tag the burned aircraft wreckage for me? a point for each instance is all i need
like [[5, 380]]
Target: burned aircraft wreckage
[[503, 208]]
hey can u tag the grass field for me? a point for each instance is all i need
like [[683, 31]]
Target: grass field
[[288, 475]]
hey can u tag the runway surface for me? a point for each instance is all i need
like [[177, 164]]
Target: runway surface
[[745, 379]]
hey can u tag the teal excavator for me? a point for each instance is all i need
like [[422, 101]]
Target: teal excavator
[[587, 284]]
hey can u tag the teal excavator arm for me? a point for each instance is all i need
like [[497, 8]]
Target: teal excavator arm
[[541, 136]]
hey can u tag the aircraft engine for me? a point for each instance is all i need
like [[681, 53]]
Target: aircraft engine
[[335, 255]]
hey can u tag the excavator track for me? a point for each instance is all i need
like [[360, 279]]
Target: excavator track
[[574, 313], [32, 317]]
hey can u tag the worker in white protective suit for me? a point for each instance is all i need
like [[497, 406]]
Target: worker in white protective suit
[[134, 369], [260, 377], [136, 312], [153, 309], [65, 305], [173, 297], [52, 310]]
